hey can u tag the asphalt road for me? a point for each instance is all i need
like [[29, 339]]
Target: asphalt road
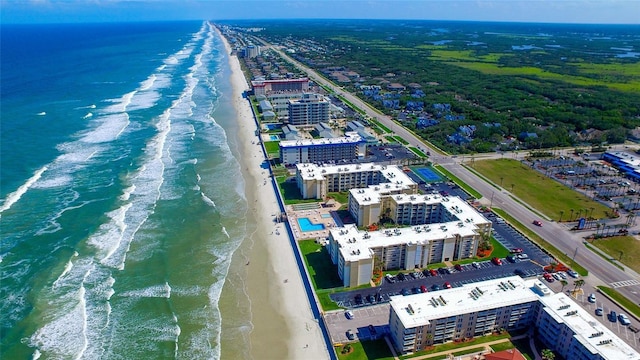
[[601, 271]]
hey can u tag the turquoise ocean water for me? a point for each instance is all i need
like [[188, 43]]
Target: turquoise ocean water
[[118, 218]]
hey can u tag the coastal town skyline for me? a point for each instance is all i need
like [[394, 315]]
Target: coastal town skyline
[[545, 11]]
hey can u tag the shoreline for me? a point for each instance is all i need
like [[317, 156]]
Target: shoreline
[[284, 326]]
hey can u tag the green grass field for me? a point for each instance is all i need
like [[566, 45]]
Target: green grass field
[[272, 147], [366, 350], [625, 249], [547, 196]]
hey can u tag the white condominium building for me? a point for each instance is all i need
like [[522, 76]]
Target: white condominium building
[[421, 320], [347, 147], [355, 252], [308, 110], [315, 181], [263, 87], [369, 205]]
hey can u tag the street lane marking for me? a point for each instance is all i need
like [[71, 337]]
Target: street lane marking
[[623, 283]]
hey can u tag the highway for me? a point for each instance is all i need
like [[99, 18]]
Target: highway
[[601, 271]]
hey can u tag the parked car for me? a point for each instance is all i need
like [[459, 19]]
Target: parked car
[[537, 222], [390, 278], [475, 265], [496, 261], [556, 276], [562, 275], [599, 311], [351, 335], [406, 292], [516, 250], [458, 267], [548, 277], [573, 274], [592, 298], [512, 258], [435, 287], [433, 272], [423, 289], [523, 256], [624, 320], [613, 317], [447, 285]]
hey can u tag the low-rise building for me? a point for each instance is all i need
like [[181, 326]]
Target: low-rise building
[[422, 320], [348, 147], [452, 230], [419, 321]]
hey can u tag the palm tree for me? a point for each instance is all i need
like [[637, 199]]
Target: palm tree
[[578, 284], [547, 354], [561, 213], [564, 283]]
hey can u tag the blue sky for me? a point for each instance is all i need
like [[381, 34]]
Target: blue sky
[[559, 11]]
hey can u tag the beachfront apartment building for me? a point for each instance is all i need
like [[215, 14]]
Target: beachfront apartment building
[[454, 233], [370, 205], [419, 321], [348, 147], [316, 181], [264, 87], [311, 109]]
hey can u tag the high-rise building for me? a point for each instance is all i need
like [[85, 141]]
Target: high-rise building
[[309, 110]]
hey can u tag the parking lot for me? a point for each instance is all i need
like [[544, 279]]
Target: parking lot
[[376, 316]]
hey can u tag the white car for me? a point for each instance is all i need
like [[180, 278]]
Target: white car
[[573, 274], [624, 320], [592, 298], [349, 314]]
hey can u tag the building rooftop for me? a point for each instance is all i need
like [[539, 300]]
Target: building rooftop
[[355, 244], [595, 336], [393, 174], [348, 138], [420, 309]]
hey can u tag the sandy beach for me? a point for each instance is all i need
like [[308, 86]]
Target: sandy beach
[[283, 323]]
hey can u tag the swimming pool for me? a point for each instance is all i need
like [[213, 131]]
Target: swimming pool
[[306, 225], [274, 137], [326, 216], [272, 126]]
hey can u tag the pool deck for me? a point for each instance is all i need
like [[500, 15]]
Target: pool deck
[[315, 216]]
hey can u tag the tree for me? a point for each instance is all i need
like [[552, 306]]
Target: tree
[[564, 283], [547, 354], [578, 284]]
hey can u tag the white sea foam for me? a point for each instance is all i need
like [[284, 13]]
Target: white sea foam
[[108, 129], [224, 231], [120, 104], [89, 115], [145, 85], [126, 193], [110, 234], [67, 269], [13, 197], [208, 200], [36, 355], [41, 113], [156, 291]]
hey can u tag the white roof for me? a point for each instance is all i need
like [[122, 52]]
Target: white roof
[[348, 138], [392, 173], [564, 310], [420, 309], [355, 244]]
